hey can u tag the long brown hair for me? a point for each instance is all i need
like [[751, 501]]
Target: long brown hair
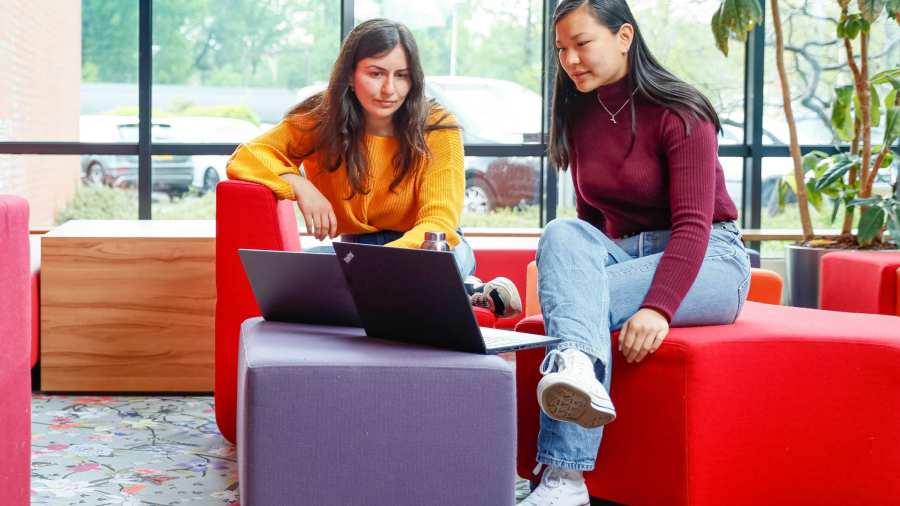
[[339, 119], [649, 78]]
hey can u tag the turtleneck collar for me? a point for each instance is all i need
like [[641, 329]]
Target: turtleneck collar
[[615, 94]]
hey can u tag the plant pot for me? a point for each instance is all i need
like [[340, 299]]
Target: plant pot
[[802, 272]]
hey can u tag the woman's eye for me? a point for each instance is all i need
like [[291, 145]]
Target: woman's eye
[[580, 44]]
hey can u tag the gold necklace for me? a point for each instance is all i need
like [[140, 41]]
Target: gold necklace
[[612, 115]]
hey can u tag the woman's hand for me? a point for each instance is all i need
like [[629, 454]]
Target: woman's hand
[[642, 334], [315, 208]]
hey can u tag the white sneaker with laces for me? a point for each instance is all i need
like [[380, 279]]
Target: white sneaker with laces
[[559, 487], [498, 295], [570, 391]]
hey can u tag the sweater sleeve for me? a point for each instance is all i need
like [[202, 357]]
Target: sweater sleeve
[[265, 158], [439, 190], [691, 162]]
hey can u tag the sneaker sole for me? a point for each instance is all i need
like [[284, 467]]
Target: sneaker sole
[[568, 404]]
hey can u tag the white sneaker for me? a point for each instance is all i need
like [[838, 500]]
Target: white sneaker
[[498, 295], [570, 391], [559, 487]]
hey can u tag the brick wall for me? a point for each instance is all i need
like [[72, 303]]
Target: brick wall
[[40, 58]]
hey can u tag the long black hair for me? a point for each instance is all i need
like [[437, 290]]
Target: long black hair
[[646, 75], [340, 119]]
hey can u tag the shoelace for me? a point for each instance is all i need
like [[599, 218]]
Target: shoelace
[[556, 361]]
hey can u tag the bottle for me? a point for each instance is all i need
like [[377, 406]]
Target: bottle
[[435, 241]]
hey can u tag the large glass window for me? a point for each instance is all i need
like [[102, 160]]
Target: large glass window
[[816, 63], [482, 61]]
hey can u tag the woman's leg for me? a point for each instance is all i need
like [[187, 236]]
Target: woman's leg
[[577, 275]]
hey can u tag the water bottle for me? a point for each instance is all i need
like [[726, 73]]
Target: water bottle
[[435, 241]]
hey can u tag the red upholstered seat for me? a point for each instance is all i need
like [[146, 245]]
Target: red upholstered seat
[[785, 406], [860, 282], [15, 353], [249, 216]]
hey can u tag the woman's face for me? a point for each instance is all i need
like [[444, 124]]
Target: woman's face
[[590, 53], [381, 84]]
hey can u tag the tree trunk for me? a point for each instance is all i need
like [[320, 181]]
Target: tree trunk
[[802, 201]]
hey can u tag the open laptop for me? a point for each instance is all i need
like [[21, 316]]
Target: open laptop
[[293, 286], [418, 296]]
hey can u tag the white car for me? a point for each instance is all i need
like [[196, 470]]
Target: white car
[[210, 169]]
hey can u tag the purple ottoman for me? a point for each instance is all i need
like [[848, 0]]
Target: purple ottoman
[[328, 416]]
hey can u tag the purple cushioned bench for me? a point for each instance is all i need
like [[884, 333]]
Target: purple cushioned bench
[[328, 416]]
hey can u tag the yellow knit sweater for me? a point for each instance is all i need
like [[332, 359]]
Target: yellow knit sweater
[[431, 200]]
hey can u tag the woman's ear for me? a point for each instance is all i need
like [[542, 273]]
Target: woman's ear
[[625, 37]]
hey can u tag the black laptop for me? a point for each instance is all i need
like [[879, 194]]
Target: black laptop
[[418, 296], [292, 286]]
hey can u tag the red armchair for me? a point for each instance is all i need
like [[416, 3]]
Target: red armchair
[[860, 282], [248, 216], [15, 352], [785, 406]]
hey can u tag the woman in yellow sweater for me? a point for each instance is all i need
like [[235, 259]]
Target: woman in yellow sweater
[[381, 164]]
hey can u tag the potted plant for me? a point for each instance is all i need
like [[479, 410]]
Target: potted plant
[[847, 178]]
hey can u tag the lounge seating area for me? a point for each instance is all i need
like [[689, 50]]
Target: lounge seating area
[[710, 406]]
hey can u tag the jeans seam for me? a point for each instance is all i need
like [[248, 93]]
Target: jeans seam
[[581, 347], [547, 460]]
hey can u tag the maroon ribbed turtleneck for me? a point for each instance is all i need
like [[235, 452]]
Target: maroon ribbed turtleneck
[[672, 179]]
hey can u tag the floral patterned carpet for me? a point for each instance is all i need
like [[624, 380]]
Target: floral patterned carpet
[[129, 451], [133, 451]]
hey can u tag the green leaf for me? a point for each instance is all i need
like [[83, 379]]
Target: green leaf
[[836, 206], [782, 193], [870, 224], [887, 76], [891, 126], [813, 196], [841, 165], [720, 31], [870, 201], [812, 159], [734, 19], [870, 9], [890, 99], [854, 25], [841, 117], [874, 106]]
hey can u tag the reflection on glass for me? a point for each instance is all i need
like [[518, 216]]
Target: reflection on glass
[[502, 192], [678, 35], [816, 63]]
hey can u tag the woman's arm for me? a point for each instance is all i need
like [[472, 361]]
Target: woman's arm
[[264, 159], [440, 190], [691, 161]]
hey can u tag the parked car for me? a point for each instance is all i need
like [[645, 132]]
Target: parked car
[[494, 111], [170, 173], [490, 111], [208, 170]]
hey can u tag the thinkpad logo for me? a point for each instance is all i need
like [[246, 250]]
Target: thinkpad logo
[[348, 258]]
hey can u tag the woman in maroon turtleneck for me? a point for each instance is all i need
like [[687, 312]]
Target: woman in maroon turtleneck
[[654, 244]]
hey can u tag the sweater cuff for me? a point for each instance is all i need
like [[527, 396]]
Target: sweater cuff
[[661, 309]]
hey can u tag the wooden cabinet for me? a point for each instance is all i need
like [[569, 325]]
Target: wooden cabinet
[[128, 306]]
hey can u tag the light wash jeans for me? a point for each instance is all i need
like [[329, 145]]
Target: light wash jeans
[[462, 253], [590, 285]]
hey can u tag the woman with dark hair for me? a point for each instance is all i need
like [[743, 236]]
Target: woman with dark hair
[[381, 164], [654, 245]]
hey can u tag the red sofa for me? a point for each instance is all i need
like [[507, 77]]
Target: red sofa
[[787, 406], [249, 216], [860, 282], [15, 353]]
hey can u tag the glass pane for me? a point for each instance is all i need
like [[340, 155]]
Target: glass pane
[[224, 75], [60, 188], [55, 56], [678, 35], [482, 59], [788, 217], [816, 63], [502, 192]]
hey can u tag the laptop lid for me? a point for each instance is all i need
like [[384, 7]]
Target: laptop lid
[[293, 286], [418, 296]]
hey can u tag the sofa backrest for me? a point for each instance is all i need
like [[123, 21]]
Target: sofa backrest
[[247, 216]]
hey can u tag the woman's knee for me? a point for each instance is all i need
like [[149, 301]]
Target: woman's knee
[[566, 233]]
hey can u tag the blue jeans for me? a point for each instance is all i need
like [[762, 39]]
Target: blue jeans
[[462, 253], [590, 285]]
